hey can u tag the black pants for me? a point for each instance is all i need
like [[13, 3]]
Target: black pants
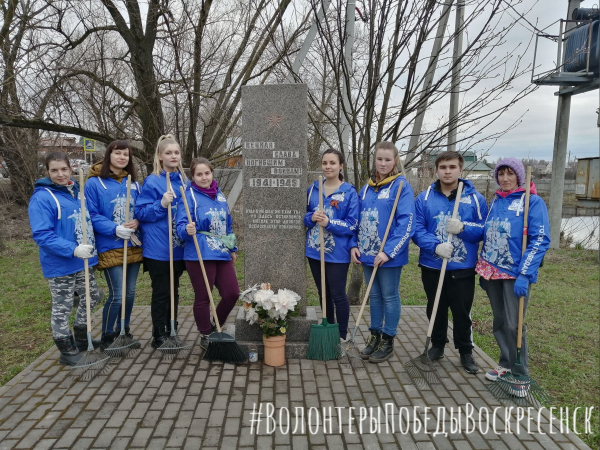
[[335, 285], [161, 289], [457, 294]]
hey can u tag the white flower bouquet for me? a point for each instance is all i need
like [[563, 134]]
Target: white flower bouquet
[[271, 311]]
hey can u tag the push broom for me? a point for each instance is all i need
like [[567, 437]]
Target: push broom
[[324, 339], [92, 363], [174, 346], [515, 386], [421, 369], [348, 348], [221, 346], [123, 344]]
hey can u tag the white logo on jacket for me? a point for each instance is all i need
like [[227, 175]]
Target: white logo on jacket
[[338, 197], [313, 234], [368, 236], [496, 249], [218, 227], [459, 254], [118, 215], [76, 217]]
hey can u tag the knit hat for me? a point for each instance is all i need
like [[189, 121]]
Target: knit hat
[[516, 166]]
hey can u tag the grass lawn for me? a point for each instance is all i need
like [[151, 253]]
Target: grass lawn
[[562, 319]]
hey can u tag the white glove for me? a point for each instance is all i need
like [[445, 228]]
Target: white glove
[[166, 200], [84, 251], [444, 250], [124, 233], [454, 226]]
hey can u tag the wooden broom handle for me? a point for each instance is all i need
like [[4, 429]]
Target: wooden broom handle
[[171, 273], [523, 248], [385, 236], [438, 292], [125, 242], [85, 260], [208, 289], [322, 250]]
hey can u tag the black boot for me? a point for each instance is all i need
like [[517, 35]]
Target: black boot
[[81, 338], [372, 343], [469, 363], [136, 343], [69, 353], [160, 336], [107, 340], [385, 349]]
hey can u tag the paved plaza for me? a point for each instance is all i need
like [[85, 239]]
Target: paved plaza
[[149, 402]]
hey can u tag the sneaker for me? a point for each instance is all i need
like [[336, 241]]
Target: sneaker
[[204, 341], [499, 371], [469, 363], [435, 353], [384, 351], [372, 344]]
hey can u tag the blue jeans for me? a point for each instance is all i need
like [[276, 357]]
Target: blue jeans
[[112, 308], [384, 298]]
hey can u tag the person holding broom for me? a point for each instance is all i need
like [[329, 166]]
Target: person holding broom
[[105, 194], [151, 210], [376, 200], [339, 221], [433, 223], [212, 225], [56, 225], [506, 273]]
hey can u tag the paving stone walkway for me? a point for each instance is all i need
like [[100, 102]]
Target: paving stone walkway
[[147, 402]]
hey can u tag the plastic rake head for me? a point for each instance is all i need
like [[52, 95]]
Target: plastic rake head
[[422, 371], [174, 347], [349, 350], [520, 389], [91, 364], [122, 346]]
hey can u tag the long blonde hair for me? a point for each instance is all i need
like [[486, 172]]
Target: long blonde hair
[[163, 142], [385, 145]]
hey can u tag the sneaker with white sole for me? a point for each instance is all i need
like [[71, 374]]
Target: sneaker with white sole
[[499, 371]]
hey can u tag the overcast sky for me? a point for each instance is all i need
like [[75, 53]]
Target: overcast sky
[[534, 137]]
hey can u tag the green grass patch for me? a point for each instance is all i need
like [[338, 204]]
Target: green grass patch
[[562, 318]]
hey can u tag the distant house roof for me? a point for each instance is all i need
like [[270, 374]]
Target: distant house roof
[[476, 166]]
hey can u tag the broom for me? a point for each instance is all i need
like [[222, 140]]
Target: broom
[[515, 386], [174, 346], [348, 348], [92, 363], [124, 344], [421, 368], [221, 346], [324, 339]]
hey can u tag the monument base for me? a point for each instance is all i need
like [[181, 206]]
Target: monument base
[[298, 332]]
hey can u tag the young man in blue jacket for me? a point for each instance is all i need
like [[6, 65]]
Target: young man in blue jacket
[[433, 223]]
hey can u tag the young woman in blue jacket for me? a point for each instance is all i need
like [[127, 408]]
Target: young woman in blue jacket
[[56, 225], [211, 223], [376, 202], [340, 220], [106, 197], [506, 275], [151, 210]]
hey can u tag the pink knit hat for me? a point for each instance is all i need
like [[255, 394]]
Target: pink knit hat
[[516, 166]]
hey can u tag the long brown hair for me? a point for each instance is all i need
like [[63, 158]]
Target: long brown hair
[[341, 160], [117, 145]]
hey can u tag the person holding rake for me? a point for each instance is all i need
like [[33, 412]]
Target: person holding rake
[[376, 201], [340, 220], [506, 272], [56, 225], [433, 224], [151, 210], [212, 225], [105, 193]]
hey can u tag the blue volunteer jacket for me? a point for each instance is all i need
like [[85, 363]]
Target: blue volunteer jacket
[[55, 219], [211, 216], [503, 236], [433, 209], [341, 208], [153, 217], [375, 211], [105, 200]]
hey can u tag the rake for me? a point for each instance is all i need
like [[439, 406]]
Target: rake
[[174, 346], [93, 362], [348, 348], [221, 346], [421, 369], [514, 386], [124, 345]]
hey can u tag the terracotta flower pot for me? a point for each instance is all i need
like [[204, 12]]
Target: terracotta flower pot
[[274, 350]]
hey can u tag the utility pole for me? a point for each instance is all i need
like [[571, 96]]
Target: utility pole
[[415, 136], [456, 70], [559, 153]]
